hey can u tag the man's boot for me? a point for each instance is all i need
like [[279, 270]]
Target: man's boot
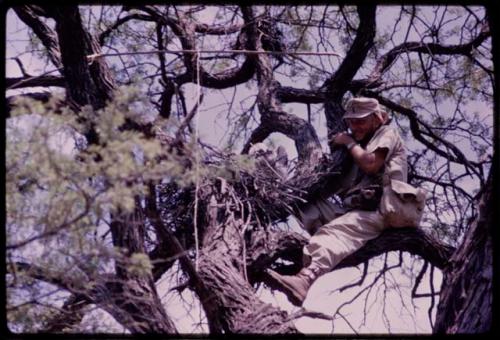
[[295, 287]]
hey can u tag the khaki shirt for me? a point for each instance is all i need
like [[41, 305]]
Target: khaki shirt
[[395, 165]]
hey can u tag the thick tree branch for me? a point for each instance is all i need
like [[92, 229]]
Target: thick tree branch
[[412, 240], [168, 84], [166, 98], [222, 268], [258, 135], [339, 83], [185, 31], [29, 15], [263, 252], [32, 81], [365, 34], [217, 29], [169, 250], [288, 94], [273, 118], [86, 84], [128, 233]]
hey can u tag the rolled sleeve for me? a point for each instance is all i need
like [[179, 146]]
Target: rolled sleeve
[[384, 138]]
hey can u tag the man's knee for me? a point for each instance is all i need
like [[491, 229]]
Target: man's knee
[[310, 218], [315, 214]]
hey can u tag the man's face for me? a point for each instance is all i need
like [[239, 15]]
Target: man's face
[[362, 127]]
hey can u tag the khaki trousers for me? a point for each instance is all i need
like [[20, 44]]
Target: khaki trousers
[[336, 235]]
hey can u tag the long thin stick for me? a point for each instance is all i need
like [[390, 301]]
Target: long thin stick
[[197, 173], [99, 55]]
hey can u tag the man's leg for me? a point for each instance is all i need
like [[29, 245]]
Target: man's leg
[[317, 213], [331, 244]]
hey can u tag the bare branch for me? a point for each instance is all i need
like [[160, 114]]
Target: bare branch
[[388, 59], [71, 314], [415, 124], [302, 312], [287, 94], [135, 16]]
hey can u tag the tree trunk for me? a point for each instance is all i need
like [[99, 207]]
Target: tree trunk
[[465, 304], [87, 83], [131, 299], [231, 305], [235, 307], [135, 304]]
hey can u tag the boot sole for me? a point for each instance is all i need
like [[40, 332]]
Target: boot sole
[[287, 290]]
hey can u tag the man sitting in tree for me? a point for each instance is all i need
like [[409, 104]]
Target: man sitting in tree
[[338, 231]]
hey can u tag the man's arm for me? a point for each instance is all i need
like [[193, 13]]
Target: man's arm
[[369, 162]]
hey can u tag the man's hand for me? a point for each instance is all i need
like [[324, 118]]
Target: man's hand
[[342, 138]]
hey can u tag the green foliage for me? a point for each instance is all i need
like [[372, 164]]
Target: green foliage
[[140, 265], [221, 65], [58, 198], [50, 189]]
